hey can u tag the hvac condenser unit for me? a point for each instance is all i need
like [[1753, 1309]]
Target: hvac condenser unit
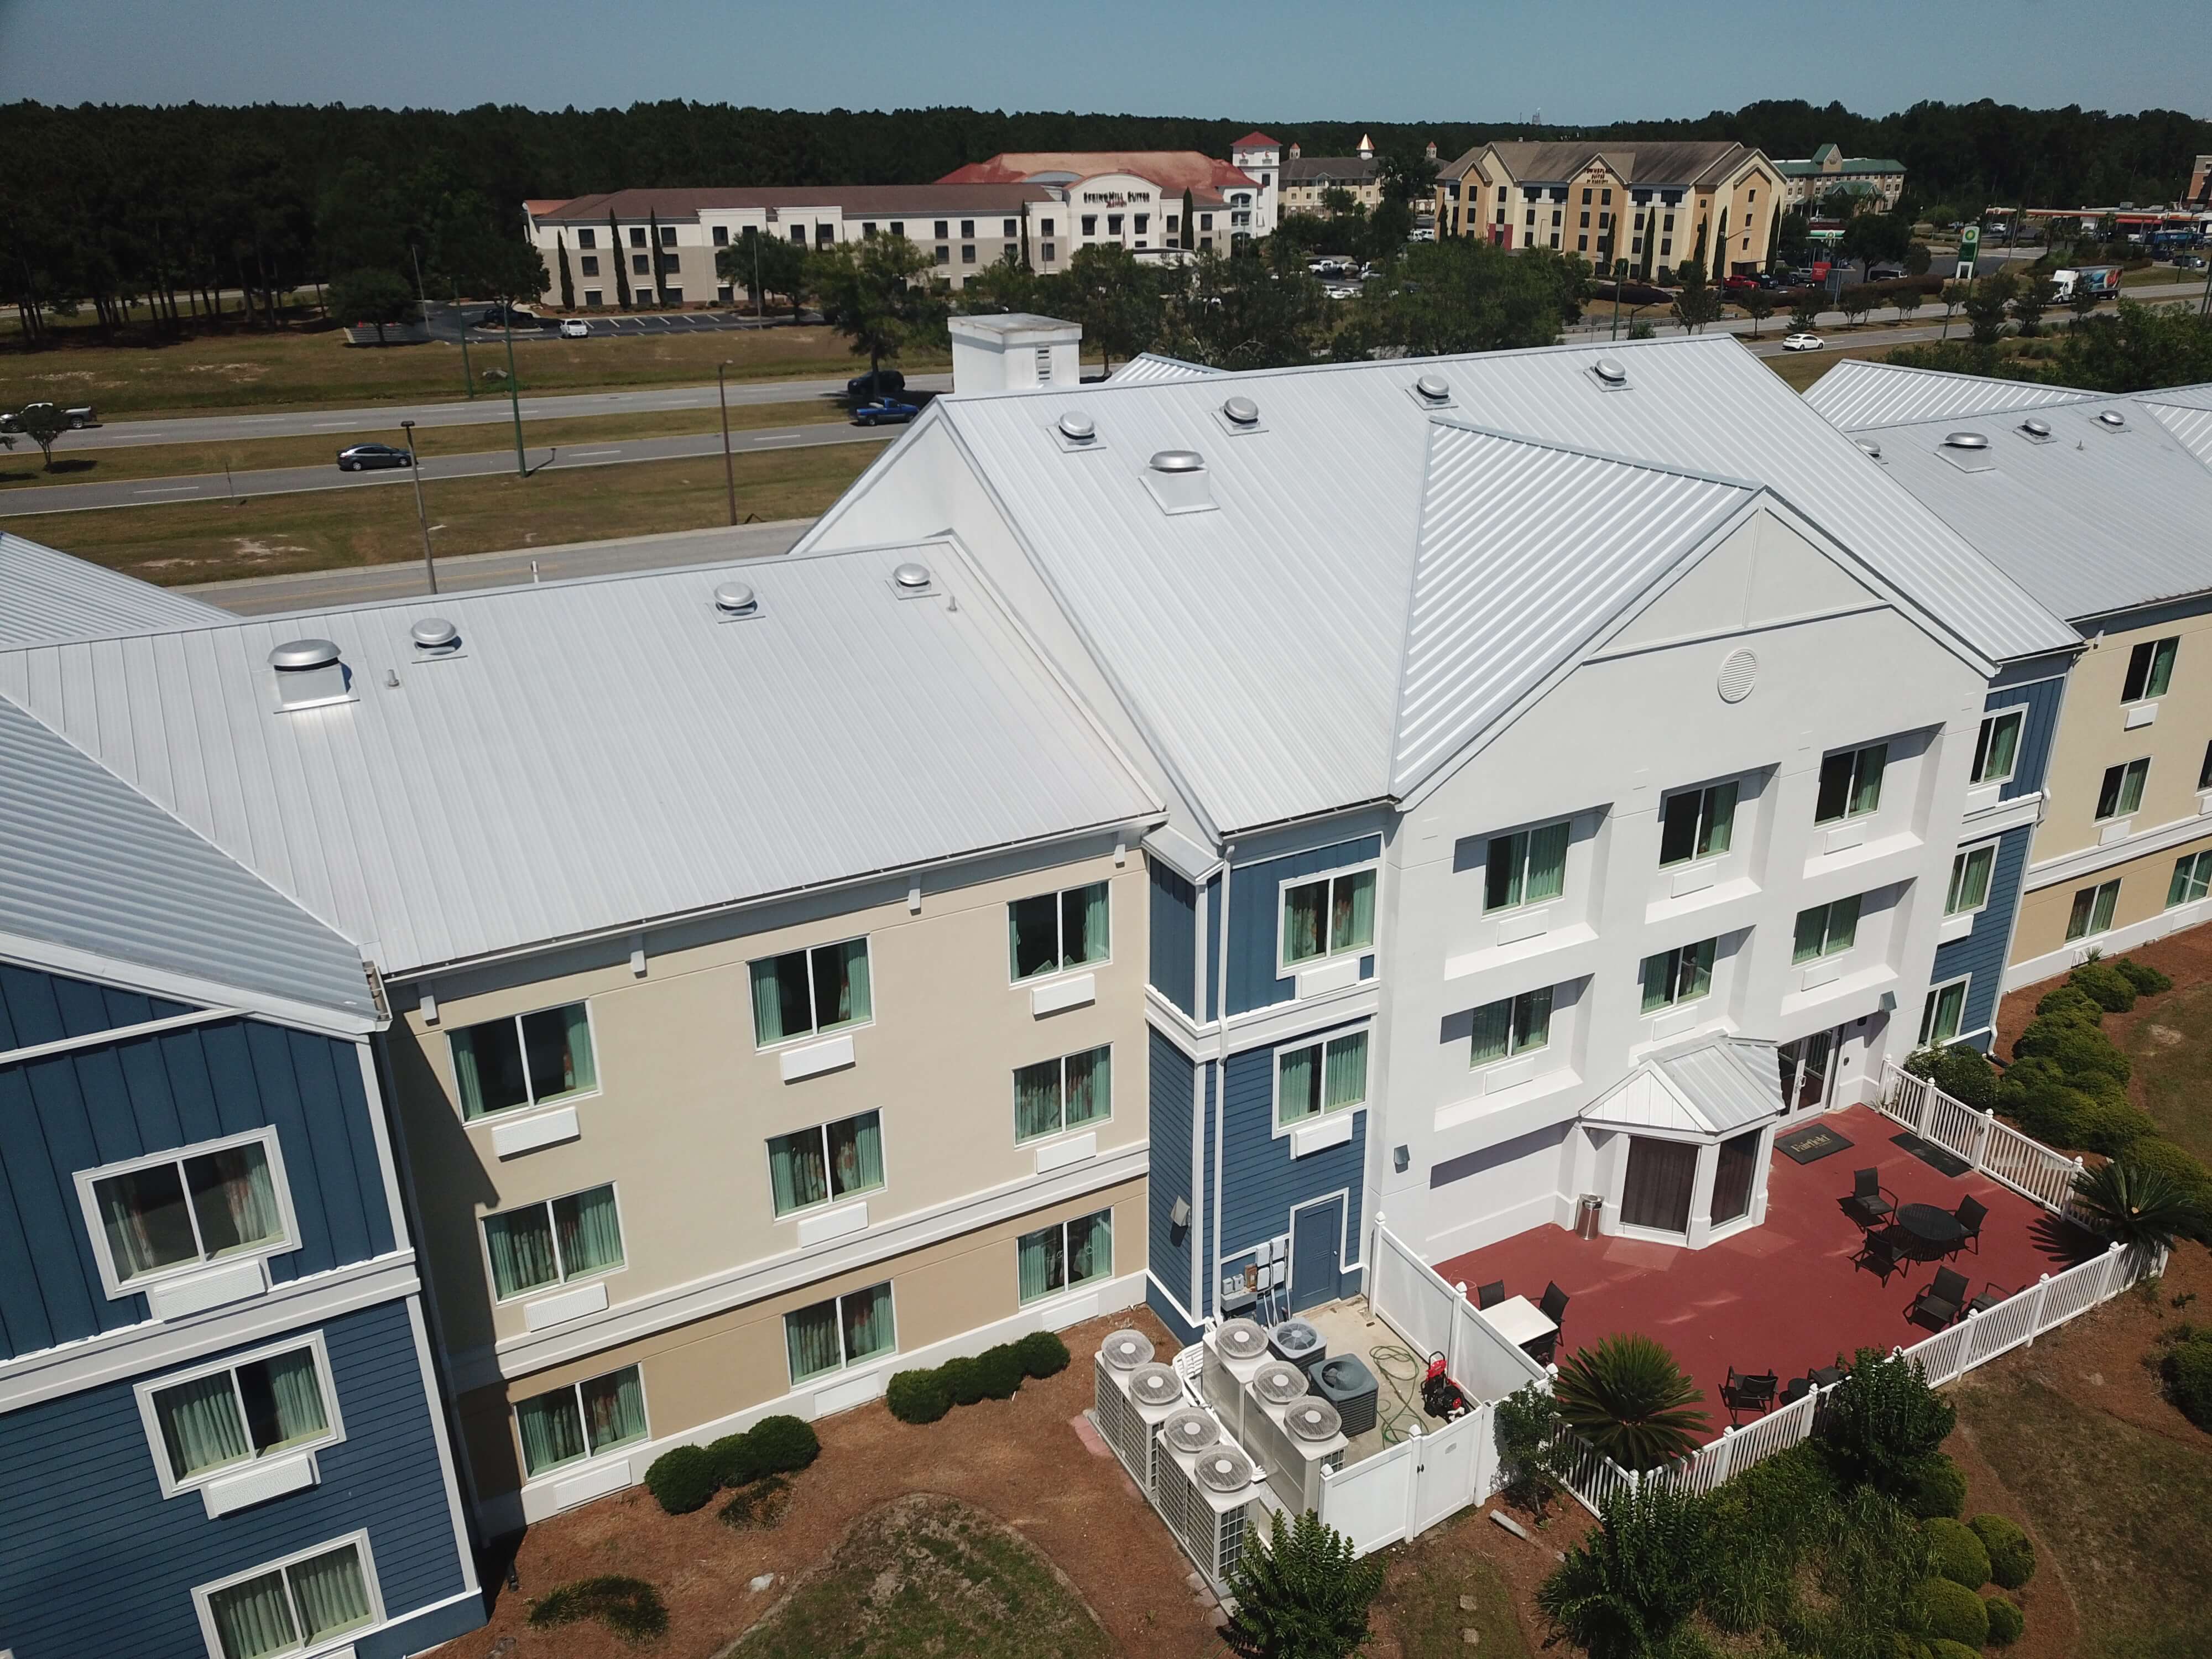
[[1207, 1489], [1234, 1354], [1296, 1434], [1125, 1428]]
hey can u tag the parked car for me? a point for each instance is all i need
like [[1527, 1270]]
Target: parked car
[[879, 383], [498, 317], [885, 411], [575, 328], [363, 457], [1738, 283], [1884, 273], [78, 418], [1803, 343], [1767, 280], [2189, 261]]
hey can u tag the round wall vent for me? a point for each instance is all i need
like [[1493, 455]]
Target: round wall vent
[[1077, 429], [1739, 673], [1178, 460], [1240, 1339], [2035, 429], [434, 634], [1965, 440], [1869, 447], [295, 654], [1155, 1384], [2112, 417], [1241, 411], [1279, 1383], [1313, 1419], [1611, 370], [1434, 387], [1127, 1350], [1190, 1431], [912, 576], [1225, 1471], [734, 599]]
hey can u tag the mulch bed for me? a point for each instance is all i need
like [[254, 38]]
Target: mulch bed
[[2185, 956]]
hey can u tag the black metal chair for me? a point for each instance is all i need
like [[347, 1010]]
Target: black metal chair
[[1970, 1214], [1992, 1297], [1941, 1301], [1490, 1295], [1796, 1389], [1554, 1307], [1753, 1392], [1873, 1202], [1884, 1251]]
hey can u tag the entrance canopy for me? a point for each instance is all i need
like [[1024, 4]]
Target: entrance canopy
[[1716, 1088]]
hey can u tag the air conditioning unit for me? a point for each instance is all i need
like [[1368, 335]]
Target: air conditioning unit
[[1234, 1354], [1295, 1435], [1297, 1341], [1128, 1430], [1207, 1487]]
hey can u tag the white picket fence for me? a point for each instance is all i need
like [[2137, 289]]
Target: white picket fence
[[1994, 1149]]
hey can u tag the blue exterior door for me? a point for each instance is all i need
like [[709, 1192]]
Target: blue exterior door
[[1316, 1271]]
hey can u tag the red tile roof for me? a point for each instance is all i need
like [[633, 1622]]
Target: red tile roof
[[1256, 141], [1170, 169]]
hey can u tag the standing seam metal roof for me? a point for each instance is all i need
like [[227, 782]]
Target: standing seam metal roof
[[1730, 1082], [1858, 393], [46, 596], [1152, 366]]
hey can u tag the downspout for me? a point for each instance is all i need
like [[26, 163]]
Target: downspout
[[1220, 1054]]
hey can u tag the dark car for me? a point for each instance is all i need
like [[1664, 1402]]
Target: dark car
[[361, 457], [1768, 280], [885, 411], [497, 318], [877, 383]]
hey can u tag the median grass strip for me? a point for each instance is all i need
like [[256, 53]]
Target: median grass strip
[[270, 535]]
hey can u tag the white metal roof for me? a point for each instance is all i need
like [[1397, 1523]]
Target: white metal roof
[[46, 595], [1716, 1087], [1860, 392], [1152, 366], [2186, 412], [597, 754]]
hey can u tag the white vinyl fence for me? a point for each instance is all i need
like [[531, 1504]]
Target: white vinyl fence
[[1994, 1149]]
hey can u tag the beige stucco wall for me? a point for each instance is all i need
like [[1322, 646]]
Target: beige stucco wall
[[2143, 881], [2092, 734]]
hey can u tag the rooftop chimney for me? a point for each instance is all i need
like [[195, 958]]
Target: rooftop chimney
[[1015, 351]]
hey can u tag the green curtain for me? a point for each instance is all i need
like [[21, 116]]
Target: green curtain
[[1811, 925], [1352, 913], [1083, 930], [2107, 897], [797, 1174], [283, 1400], [614, 1409], [1697, 975], [1719, 828], [144, 1217], [856, 1155], [768, 1001], [2003, 747], [1866, 778], [551, 1433], [1493, 1029], [1346, 1084], [493, 1076], [589, 1230], [1501, 871], [521, 1244], [558, 1044], [1547, 862], [1658, 977], [1041, 1257], [254, 1618], [1037, 1100], [1090, 1247], [200, 1425], [867, 1317], [1532, 1019], [1298, 1091], [1090, 1086], [464, 1075], [1303, 915], [331, 1592], [234, 1197], [1843, 924], [810, 1339]]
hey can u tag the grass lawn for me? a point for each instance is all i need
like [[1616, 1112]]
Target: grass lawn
[[2171, 1048], [289, 369], [270, 535], [928, 1575], [1802, 368], [1419, 1614], [22, 470]]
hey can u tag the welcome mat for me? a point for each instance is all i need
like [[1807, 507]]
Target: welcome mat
[[1810, 1143], [1930, 1154]]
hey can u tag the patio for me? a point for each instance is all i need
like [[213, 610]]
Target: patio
[[1784, 1296]]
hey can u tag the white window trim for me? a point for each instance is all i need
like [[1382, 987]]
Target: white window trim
[[2150, 667], [114, 1284], [569, 1466], [2120, 812], [1058, 894], [1512, 1054], [1851, 791], [516, 1113], [1827, 915], [1087, 1125], [1285, 969], [2018, 713], [1064, 1256], [823, 1130], [2093, 931], [2170, 904], [1321, 1040], [1989, 847], [147, 1387], [553, 1285], [1701, 790], [1529, 831], [814, 1033], [203, 1596], [1661, 1009], [846, 1363], [1930, 1003]]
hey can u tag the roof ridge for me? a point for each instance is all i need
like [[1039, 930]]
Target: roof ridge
[[1588, 453]]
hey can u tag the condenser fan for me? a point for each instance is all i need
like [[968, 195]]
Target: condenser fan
[[1127, 1350]]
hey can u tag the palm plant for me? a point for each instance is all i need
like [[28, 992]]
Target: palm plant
[[1629, 1399], [2134, 1204]]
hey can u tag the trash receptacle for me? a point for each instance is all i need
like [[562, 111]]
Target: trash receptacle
[[1587, 1217]]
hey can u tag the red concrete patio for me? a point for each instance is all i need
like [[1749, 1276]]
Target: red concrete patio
[[1783, 1297]]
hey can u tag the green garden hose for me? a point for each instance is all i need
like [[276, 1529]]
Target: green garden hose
[[1399, 1402]]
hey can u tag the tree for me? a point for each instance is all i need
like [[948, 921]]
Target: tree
[[1791, 232], [1389, 227], [1757, 305], [660, 264], [1528, 1425], [1697, 304], [1336, 199], [2030, 300], [1629, 1400], [871, 293], [763, 264], [1856, 301], [2082, 300], [568, 282], [2140, 347], [1242, 314], [620, 257], [1406, 176], [43, 423], [507, 269], [375, 297], [1918, 259], [1952, 296], [2138, 1204], [1635, 1578], [1005, 284], [1885, 1422], [1116, 299], [1462, 294], [1986, 305], [1908, 299], [1805, 312], [1720, 246], [1301, 1593]]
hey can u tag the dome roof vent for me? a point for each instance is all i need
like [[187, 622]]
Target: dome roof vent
[[1869, 446], [1433, 389], [309, 673], [1611, 373], [2111, 417], [912, 580], [2038, 431], [735, 599], [1077, 429], [435, 636], [1965, 440], [1178, 481]]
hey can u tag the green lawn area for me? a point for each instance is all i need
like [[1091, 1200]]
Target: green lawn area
[[1421, 1603], [2174, 1078], [930, 1575]]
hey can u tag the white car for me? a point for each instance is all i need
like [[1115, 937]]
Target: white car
[[1804, 343], [575, 328]]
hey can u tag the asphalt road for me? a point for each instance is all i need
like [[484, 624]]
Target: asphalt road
[[292, 480], [447, 322]]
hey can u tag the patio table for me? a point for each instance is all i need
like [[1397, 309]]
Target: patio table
[[1934, 1229], [1519, 1320]]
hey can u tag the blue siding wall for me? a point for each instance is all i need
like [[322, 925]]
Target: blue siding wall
[[38, 1007], [1257, 898], [1212, 967], [1982, 952], [1261, 1180], [94, 1561], [1174, 939], [94, 1106], [1172, 1074], [2041, 699]]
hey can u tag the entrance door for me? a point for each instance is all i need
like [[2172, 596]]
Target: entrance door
[[1316, 1268], [1805, 1066]]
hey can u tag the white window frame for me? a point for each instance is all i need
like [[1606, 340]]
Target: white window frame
[[510, 1113], [1319, 1040], [2149, 649], [1827, 919], [146, 1388], [203, 1596], [2119, 796], [1285, 969], [1066, 1255], [2093, 931], [2200, 855], [2017, 713], [1060, 951], [814, 1031], [1528, 839], [1928, 1007], [846, 1361], [1014, 1098], [576, 1389], [552, 1287], [1851, 789], [114, 1283], [1703, 793], [821, 1129], [1660, 1009], [1987, 848], [1512, 1003]]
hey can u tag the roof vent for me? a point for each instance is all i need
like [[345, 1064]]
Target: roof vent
[[911, 579], [2111, 417], [2038, 431], [1178, 481], [734, 600], [308, 673], [1243, 410], [1432, 392], [1869, 446], [435, 636], [1178, 460], [1075, 431], [1612, 374], [1965, 440]]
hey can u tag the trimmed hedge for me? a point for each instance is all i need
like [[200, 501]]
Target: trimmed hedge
[[2148, 980], [1956, 1553], [682, 1478], [2113, 991], [736, 1462], [1043, 1354], [963, 1380], [2187, 1370], [997, 1373], [1940, 1647], [2006, 1622], [2012, 1556], [918, 1396], [784, 1445], [1954, 1613], [1936, 1491], [1000, 1369]]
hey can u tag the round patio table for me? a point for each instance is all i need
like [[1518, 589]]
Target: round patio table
[[1931, 1228]]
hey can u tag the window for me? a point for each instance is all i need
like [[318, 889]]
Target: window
[[1698, 824], [154, 1217], [1006, 227], [528, 1061], [593, 296], [1328, 917], [1526, 867], [943, 227], [1943, 1013], [587, 238], [1666, 244], [1585, 224], [2093, 910], [296, 1606], [1970, 880], [724, 294], [637, 235], [640, 265], [1113, 224], [721, 236], [1046, 252], [1044, 227], [2150, 670], [591, 263], [1089, 224], [1054, 931], [898, 228], [668, 236], [1734, 1171], [1063, 1094], [799, 234], [1174, 224], [1144, 224], [967, 227], [1512, 1025], [551, 1244], [828, 1161], [1996, 751], [1682, 974], [2204, 771], [867, 230], [1586, 197], [228, 1415], [2121, 792], [2192, 878], [1061, 1257], [1851, 783], [1205, 221], [944, 254], [824, 234], [844, 1331], [818, 989], [1582, 244], [1826, 930], [1205, 243], [1321, 1078], [967, 253], [581, 1420]]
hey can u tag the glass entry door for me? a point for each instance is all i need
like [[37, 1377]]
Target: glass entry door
[[1805, 1067]]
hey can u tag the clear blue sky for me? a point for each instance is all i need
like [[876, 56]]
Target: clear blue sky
[[1406, 60]]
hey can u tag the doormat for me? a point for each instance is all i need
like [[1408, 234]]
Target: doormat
[[1930, 1154], [1810, 1143]]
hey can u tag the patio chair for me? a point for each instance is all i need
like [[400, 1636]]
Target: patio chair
[[1796, 1389], [1870, 1199], [1970, 1214], [1554, 1307], [1490, 1295], [1754, 1393], [1992, 1296], [1941, 1301], [1883, 1251]]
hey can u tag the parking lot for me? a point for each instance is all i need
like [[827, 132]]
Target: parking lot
[[447, 323]]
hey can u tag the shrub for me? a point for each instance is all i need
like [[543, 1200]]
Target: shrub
[[1941, 1648], [2112, 990], [999, 1370], [2005, 1622], [2012, 1557], [2181, 1166], [2111, 1127], [1961, 1072], [918, 1396], [784, 1445], [1936, 1489], [1635, 1578], [1043, 1354], [1302, 1590], [2083, 1053], [735, 1459], [2070, 1001], [1885, 1423], [1766, 1523], [962, 1379], [1957, 1554], [1952, 1613], [2146, 980], [757, 1506], [2135, 1205], [2050, 1112], [1629, 1399], [682, 1479], [630, 1607], [2187, 1370], [1527, 1424]]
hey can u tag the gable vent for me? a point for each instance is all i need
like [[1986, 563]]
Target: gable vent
[[435, 636], [308, 673], [1739, 673], [1177, 479], [734, 601]]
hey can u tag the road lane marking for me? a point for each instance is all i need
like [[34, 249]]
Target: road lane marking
[[164, 490], [586, 454]]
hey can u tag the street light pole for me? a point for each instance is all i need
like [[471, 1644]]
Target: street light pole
[[513, 395], [414, 471], [468, 373], [729, 467]]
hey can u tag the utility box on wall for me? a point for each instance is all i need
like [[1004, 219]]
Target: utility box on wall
[[1016, 351]]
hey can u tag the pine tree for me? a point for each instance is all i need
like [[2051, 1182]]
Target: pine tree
[[1301, 1593], [568, 283]]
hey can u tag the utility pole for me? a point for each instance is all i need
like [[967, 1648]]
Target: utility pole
[[514, 392], [422, 518], [468, 374], [729, 467]]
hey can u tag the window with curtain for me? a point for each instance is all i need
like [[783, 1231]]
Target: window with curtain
[[1698, 824], [2121, 790], [1826, 930], [1997, 749], [189, 1208], [1682, 974], [2093, 908], [1328, 917], [2192, 878], [2150, 670], [292, 1609], [1662, 1175], [1321, 1078], [531, 1059], [1526, 867], [846, 1330], [1851, 783], [1067, 1255], [250, 1409], [1052, 933], [1970, 880], [1943, 1012], [581, 1420], [549, 1244], [818, 989], [1732, 1178], [1067, 1093], [1510, 1026], [827, 1162]]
